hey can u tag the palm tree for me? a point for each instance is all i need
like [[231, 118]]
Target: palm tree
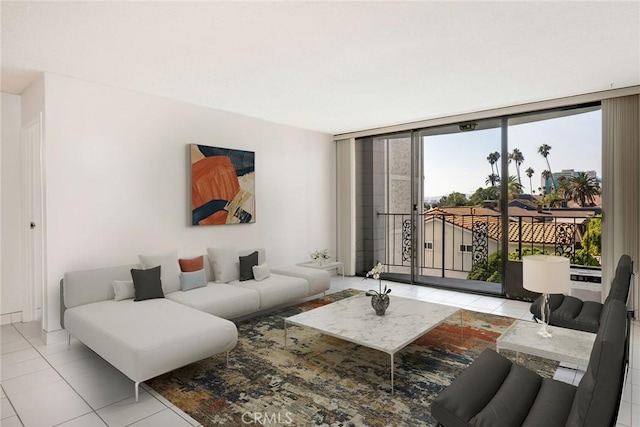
[[546, 174], [518, 158], [565, 188], [530, 173], [544, 150], [584, 189], [492, 179], [493, 159], [514, 188]]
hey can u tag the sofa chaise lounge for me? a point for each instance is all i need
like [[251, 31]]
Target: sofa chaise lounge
[[144, 339]]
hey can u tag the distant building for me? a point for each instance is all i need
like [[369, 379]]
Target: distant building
[[546, 185]]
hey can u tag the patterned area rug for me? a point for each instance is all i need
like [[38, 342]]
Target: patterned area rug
[[321, 380]]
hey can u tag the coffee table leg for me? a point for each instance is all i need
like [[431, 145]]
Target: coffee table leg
[[391, 373], [285, 334]]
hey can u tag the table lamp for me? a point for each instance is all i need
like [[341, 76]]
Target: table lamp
[[546, 274]]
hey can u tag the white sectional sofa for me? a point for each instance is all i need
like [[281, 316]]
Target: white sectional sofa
[[144, 339]]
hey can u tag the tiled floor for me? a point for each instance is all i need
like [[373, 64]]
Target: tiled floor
[[61, 385]]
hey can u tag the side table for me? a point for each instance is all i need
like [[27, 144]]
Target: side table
[[329, 265], [566, 345]]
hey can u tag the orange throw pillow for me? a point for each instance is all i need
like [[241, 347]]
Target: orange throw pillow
[[193, 264]]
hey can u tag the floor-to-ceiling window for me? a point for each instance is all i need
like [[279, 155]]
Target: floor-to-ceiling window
[[459, 205]]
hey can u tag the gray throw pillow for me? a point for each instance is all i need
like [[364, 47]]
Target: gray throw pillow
[[193, 279], [246, 266], [170, 269], [147, 283]]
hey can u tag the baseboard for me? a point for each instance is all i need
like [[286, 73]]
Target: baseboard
[[53, 337], [7, 319]]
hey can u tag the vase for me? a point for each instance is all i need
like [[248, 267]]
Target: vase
[[380, 303]]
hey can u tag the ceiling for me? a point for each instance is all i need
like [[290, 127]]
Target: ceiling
[[333, 67]]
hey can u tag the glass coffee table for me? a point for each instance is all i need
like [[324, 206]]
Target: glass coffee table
[[354, 320]]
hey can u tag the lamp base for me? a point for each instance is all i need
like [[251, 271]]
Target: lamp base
[[544, 332]]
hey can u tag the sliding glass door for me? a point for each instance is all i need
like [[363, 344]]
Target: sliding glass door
[[457, 206]]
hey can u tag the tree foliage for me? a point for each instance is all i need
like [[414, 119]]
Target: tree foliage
[[453, 199]]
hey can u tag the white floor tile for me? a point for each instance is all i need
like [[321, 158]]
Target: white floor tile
[[31, 381], [157, 395], [49, 405], [30, 329], [9, 334], [6, 410], [14, 346], [12, 358], [47, 349], [89, 420], [488, 303], [565, 375], [166, 418], [24, 368], [103, 387], [129, 411], [81, 366], [70, 355], [185, 416], [462, 299], [2, 395], [11, 422]]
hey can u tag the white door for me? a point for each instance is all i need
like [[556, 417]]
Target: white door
[[32, 202]]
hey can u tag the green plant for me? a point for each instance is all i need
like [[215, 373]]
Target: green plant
[[489, 270]]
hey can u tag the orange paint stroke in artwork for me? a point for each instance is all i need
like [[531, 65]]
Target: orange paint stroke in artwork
[[213, 178]]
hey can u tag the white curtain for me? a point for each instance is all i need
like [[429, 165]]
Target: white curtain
[[346, 204], [620, 188]]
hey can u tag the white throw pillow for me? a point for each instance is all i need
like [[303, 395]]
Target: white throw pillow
[[124, 289], [225, 264], [261, 272], [169, 269]]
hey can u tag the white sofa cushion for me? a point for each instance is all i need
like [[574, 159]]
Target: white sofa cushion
[[261, 272], [169, 269], [219, 299], [276, 290], [319, 280], [224, 263], [123, 289], [148, 338]]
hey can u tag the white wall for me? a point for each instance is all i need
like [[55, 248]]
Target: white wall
[[11, 239], [117, 181]]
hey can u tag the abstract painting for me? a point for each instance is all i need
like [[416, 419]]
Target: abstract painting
[[222, 186]]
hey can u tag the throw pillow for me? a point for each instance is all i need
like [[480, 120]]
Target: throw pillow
[[261, 272], [124, 289], [193, 264], [246, 266], [170, 269], [224, 262], [193, 279], [147, 283]]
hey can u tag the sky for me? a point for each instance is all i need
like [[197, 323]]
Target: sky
[[458, 162]]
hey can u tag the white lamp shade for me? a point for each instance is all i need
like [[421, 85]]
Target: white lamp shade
[[546, 274]]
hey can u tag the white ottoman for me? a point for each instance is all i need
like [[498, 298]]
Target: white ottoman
[[319, 280]]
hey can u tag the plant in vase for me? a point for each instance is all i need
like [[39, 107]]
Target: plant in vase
[[379, 298], [320, 256]]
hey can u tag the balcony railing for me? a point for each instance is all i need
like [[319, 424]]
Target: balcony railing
[[449, 245]]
